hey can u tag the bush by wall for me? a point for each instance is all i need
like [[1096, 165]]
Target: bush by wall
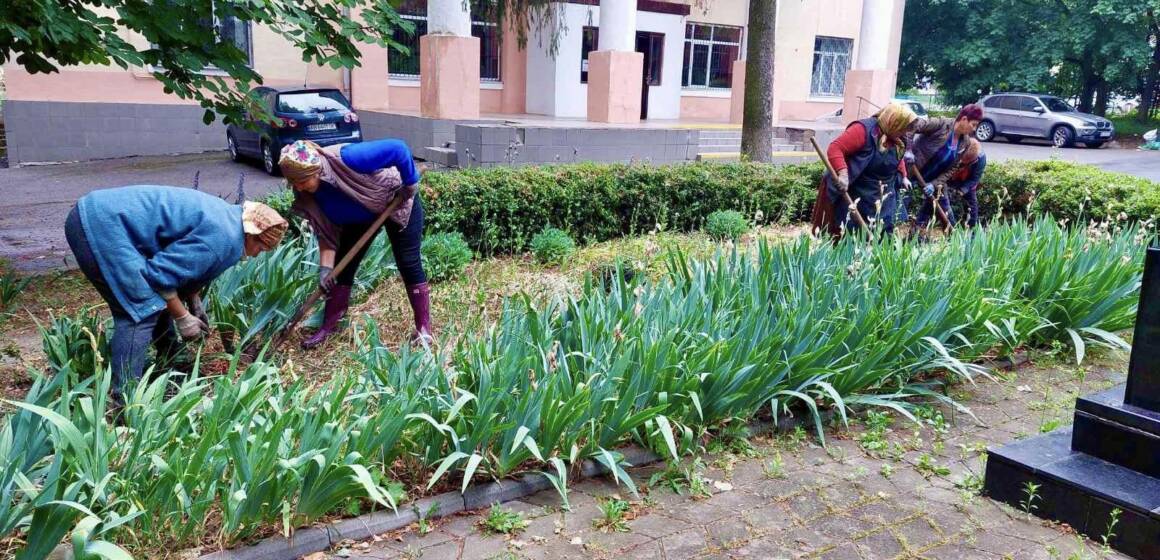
[[1066, 190]]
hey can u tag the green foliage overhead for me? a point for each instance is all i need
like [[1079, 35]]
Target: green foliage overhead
[[974, 47]]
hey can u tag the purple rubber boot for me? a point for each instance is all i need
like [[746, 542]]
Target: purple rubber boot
[[336, 303], [420, 298]]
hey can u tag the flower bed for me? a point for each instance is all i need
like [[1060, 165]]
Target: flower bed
[[664, 363]]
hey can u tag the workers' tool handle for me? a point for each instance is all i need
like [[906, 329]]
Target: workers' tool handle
[[338, 268], [938, 209], [845, 195]]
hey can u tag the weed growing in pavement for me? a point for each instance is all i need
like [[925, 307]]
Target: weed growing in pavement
[[1050, 425], [873, 440], [503, 521], [613, 515], [928, 467], [971, 483], [1110, 533], [425, 517], [774, 468], [886, 471], [683, 479], [1031, 493]]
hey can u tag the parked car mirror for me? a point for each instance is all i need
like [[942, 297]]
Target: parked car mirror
[[1039, 110]]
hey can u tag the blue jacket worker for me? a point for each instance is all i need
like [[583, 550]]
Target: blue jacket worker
[[142, 247], [341, 190]]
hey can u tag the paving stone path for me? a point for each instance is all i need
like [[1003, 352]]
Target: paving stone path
[[869, 494]]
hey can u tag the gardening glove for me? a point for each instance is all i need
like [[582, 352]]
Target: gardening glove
[[325, 281], [928, 190], [909, 157], [197, 308], [190, 327], [843, 180]]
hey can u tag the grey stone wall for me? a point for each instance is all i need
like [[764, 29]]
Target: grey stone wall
[[483, 145], [47, 131], [418, 132]]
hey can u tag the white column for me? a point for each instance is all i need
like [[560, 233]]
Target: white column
[[617, 25], [874, 36], [448, 17]]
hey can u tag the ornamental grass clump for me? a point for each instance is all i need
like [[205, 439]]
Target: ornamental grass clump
[[726, 224], [799, 327], [445, 256], [553, 246]]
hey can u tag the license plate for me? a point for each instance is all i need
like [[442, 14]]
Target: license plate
[[1105, 134], [321, 127]]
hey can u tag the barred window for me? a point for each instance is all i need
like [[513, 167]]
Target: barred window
[[415, 11], [709, 54], [831, 61]]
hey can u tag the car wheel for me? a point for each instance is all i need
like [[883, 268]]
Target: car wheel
[[1094, 145], [986, 131], [233, 147], [1062, 137], [270, 159]]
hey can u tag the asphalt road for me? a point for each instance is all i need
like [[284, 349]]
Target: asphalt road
[[35, 200], [1131, 161]]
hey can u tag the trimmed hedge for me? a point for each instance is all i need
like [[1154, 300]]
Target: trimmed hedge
[[500, 209]]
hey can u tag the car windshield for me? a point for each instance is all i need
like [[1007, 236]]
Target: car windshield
[[1056, 105], [311, 102]]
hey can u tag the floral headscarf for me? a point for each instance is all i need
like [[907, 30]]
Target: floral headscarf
[[893, 120], [300, 161]]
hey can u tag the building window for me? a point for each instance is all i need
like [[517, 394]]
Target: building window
[[589, 39], [235, 31], [653, 47], [709, 54], [831, 61], [415, 11]]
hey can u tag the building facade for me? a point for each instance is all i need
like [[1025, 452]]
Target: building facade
[[608, 61]]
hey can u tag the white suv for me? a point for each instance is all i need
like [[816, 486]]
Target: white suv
[[1016, 116]]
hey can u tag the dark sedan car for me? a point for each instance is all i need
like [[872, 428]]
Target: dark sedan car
[[322, 115]]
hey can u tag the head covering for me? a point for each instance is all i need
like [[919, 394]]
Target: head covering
[[300, 161], [972, 111], [264, 222], [894, 119]]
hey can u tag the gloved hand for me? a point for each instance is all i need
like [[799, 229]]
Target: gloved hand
[[909, 157], [197, 308], [928, 190], [190, 327], [325, 281], [843, 182], [906, 184]]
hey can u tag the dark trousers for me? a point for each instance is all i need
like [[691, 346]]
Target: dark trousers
[[970, 200], [131, 339], [406, 244]]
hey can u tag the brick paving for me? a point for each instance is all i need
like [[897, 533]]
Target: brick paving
[[909, 493]]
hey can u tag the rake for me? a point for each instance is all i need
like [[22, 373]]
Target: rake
[[280, 338], [845, 195], [942, 215]]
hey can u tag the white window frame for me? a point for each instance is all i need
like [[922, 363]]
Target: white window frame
[[836, 61], [415, 77], [692, 42]]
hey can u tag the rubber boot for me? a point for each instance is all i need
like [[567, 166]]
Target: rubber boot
[[420, 297], [336, 303]]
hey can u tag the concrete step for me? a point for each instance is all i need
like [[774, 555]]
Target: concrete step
[[443, 156], [736, 148]]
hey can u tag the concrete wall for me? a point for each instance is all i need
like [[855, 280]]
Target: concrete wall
[[798, 23], [46, 131], [721, 12], [490, 145], [705, 105]]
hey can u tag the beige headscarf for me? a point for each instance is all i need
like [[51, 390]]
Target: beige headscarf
[[264, 222], [893, 120]]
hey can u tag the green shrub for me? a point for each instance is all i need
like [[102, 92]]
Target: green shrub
[[445, 256], [1066, 190], [726, 224], [500, 209], [553, 246]]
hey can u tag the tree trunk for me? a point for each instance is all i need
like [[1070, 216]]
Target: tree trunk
[[1101, 107], [757, 117], [1150, 90]]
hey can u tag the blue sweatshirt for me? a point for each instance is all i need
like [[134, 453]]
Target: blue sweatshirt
[[365, 157], [149, 239]]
